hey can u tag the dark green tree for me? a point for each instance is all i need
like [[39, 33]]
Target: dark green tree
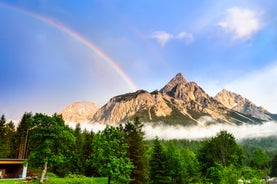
[[190, 165], [260, 160], [78, 161], [48, 136], [89, 170], [218, 151], [110, 155], [274, 166], [10, 135], [158, 171], [21, 139], [3, 139], [2, 125], [136, 150], [175, 166], [7, 131]]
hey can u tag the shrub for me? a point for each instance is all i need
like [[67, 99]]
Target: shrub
[[78, 179]]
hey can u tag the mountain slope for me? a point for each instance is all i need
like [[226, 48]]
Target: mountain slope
[[240, 104], [79, 112], [178, 102]]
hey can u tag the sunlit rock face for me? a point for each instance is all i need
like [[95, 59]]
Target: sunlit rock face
[[79, 112], [240, 104], [121, 108], [178, 102]]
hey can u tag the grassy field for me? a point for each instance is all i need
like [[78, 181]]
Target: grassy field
[[58, 181]]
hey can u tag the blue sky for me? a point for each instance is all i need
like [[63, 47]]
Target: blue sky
[[218, 44]]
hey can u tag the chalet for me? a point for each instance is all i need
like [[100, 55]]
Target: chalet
[[12, 168]]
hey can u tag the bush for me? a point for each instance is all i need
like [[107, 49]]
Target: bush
[[78, 179], [255, 181]]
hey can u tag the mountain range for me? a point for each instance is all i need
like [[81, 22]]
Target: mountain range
[[178, 102]]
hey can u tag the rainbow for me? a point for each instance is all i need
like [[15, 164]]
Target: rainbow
[[79, 38]]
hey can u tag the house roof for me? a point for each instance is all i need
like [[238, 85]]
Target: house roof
[[11, 161]]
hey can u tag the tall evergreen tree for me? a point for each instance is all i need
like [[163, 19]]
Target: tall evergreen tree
[[10, 135], [7, 131], [191, 166], [89, 170], [158, 173], [175, 166], [274, 166], [136, 151], [21, 140], [2, 136], [2, 126], [78, 160]]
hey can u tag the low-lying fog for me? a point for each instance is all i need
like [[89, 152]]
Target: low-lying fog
[[196, 132]]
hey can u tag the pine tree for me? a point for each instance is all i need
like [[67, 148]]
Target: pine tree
[[2, 126], [7, 131], [136, 151], [89, 170], [78, 152], [21, 140], [157, 163], [10, 135], [175, 167], [274, 166]]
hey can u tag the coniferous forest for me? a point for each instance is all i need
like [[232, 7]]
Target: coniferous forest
[[123, 155]]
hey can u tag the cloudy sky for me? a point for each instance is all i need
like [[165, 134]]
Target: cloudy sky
[[54, 53]]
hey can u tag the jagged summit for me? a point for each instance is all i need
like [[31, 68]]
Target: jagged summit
[[240, 104], [177, 80]]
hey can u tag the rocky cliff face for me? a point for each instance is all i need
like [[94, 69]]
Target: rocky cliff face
[[240, 104], [178, 102], [121, 108], [79, 112]]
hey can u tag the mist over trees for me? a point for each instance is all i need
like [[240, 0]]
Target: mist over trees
[[124, 156]]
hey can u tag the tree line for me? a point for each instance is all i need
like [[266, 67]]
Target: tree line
[[123, 155]]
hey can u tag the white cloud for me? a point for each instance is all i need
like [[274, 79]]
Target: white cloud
[[187, 37], [259, 87], [241, 22], [163, 37]]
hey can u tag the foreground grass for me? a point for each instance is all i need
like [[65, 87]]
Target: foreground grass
[[60, 181]]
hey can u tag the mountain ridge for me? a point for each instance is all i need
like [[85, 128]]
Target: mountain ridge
[[241, 104], [79, 112], [180, 102]]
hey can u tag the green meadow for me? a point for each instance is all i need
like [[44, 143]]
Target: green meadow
[[84, 180]]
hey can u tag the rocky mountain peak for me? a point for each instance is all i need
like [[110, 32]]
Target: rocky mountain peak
[[228, 98], [79, 112], [177, 80], [240, 104]]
